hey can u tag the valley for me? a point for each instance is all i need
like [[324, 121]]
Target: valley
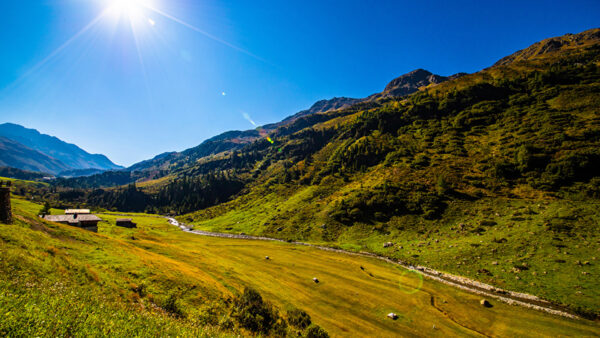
[[461, 205], [354, 293]]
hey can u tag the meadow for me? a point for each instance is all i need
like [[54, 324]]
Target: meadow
[[158, 280]]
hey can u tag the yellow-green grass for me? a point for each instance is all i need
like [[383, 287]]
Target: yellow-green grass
[[202, 270], [15, 180], [521, 252]]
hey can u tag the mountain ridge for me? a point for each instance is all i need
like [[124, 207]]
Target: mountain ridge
[[231, 140], [17, 155], [70, 155]]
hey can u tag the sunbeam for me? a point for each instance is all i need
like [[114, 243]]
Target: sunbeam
[[196, 29], [61, 47]]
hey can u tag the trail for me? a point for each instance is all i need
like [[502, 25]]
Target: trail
[[509, 297]]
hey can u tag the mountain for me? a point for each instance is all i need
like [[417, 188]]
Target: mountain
[[321, 106], [16, 155], [80, 172], [491, 175], [65, 156], [170, 161], [235, 140], [30, 150], [548, 46]]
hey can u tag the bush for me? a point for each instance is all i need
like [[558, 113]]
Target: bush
[[170, 305], [315, 331], [298, 318], [45, 210], [254, 314]]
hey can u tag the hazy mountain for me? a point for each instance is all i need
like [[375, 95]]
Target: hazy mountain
[[68, 155], [16, 155]]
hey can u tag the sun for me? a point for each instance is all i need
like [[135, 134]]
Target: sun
[[131, 8]]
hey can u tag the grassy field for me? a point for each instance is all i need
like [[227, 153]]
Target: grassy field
[[100, 275], [537, 246]]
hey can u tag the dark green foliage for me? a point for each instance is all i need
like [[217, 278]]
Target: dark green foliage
[[253, 313], [105, 179], [21, 174], [45, 210], [387, 200], [171, 305], [315, 331], [298, 318]]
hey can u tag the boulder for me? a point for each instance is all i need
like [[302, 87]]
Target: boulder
[[392, 316], [485, 303], [315, 280], [387, 244]]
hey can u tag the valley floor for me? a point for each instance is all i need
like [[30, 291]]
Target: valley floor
[[353, 296]]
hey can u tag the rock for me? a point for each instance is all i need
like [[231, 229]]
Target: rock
[[485, 303], [387, 244], [280, 229], [267, 257], [392, 315], [494, 263], [315, 280]]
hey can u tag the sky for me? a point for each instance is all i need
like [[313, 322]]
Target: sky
[[135, 78]]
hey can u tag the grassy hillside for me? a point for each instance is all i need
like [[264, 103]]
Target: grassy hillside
[[158, 280], [492, 175]]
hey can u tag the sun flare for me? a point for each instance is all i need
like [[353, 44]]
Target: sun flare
[[130, 8]]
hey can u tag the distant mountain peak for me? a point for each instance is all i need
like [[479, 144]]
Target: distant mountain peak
[[411, 82], [67, 156]]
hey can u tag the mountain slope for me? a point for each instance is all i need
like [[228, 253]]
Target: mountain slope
[[70, 155], [556, 44], [16, 155], [463, 175], [167, 163]]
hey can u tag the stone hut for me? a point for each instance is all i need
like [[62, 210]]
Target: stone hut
[[5, 207], [126, 223], [85, 221]]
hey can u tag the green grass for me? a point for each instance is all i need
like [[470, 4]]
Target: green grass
[[99, 273], [561, 264]]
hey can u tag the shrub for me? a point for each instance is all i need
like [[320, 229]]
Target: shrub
[[171, 306], [45, 210], [315, 331], [298, 318], [253, 313]]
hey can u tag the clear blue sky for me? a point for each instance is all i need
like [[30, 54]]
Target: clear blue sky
[[137, 83]]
